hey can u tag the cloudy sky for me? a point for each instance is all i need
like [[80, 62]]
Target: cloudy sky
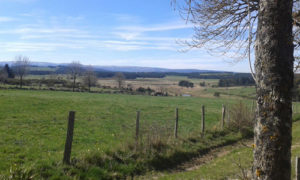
[[103, 32]]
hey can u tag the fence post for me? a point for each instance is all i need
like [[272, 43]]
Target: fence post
[[297, 168], [69, 139], [203, 120], [137, 129], [223, 115], [176, 123], [228, 115], [252, 107]]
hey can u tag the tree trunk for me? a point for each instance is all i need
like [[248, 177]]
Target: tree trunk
[[274, 74], [21, 81], [74, 82]]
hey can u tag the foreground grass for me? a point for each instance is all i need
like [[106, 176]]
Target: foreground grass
[[33, 123], [128, 162], [227, 166]]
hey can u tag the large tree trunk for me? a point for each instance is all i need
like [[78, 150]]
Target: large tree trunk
[[274, 73]]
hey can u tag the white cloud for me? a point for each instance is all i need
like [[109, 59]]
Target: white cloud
[[162, 27], [50, 36], [42, 31], [18, 1], [30, 46], [126, 18], [6, 19]]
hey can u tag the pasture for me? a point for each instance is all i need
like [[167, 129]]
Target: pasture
[[231, 163], [33, 123]]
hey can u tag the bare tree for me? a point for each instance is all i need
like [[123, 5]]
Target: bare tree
[[75, 69], [221, 25], [90, 78], [3, 75], [119, 78], [21, 66], [227, 25]]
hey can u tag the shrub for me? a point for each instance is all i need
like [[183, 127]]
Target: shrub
[[241, 119], [185, 83], [217, 94]]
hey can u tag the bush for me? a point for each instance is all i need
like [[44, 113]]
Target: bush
[[217, 94], [185, 83], [241, 119], [202, 84]]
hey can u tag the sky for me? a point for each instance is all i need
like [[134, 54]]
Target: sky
[[103, 32]]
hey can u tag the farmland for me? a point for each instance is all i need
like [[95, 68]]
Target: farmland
[[34, 122], [227, 165]]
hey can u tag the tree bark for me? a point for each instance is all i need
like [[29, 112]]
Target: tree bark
[[274, 74]]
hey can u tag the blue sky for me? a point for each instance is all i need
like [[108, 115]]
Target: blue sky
[[102, 32]]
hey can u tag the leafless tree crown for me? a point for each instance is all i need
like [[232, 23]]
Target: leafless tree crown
[[90, 78], [119, 77], [220, 25], [21, 65], [75, 69]]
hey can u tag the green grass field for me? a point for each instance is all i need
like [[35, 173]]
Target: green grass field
[[226, 166], [33, 128], [244, 92], [33, 123]]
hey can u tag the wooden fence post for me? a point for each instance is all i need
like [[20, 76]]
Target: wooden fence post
[[69, 139], [223, 115], [297, 168], [176, 123], [252, 107], [137, 129], [228, 115], [203, 120]]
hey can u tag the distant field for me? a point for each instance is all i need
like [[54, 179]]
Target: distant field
[[240, 91], [33, 123], [170, 84]]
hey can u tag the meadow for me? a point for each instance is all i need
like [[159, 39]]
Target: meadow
[[33, 123], [231, 164]]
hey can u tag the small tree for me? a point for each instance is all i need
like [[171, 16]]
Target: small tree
[[119, 77], [3, 75], [90, 78], [8, 71], [21, 67], [75, 69]]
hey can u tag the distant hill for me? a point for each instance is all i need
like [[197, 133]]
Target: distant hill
[[130, 69]]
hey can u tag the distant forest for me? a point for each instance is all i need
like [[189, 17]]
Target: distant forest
[[227, 79]]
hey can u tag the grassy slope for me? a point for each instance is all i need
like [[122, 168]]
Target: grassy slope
[[33, 123], [224, 167], [246, 92]]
